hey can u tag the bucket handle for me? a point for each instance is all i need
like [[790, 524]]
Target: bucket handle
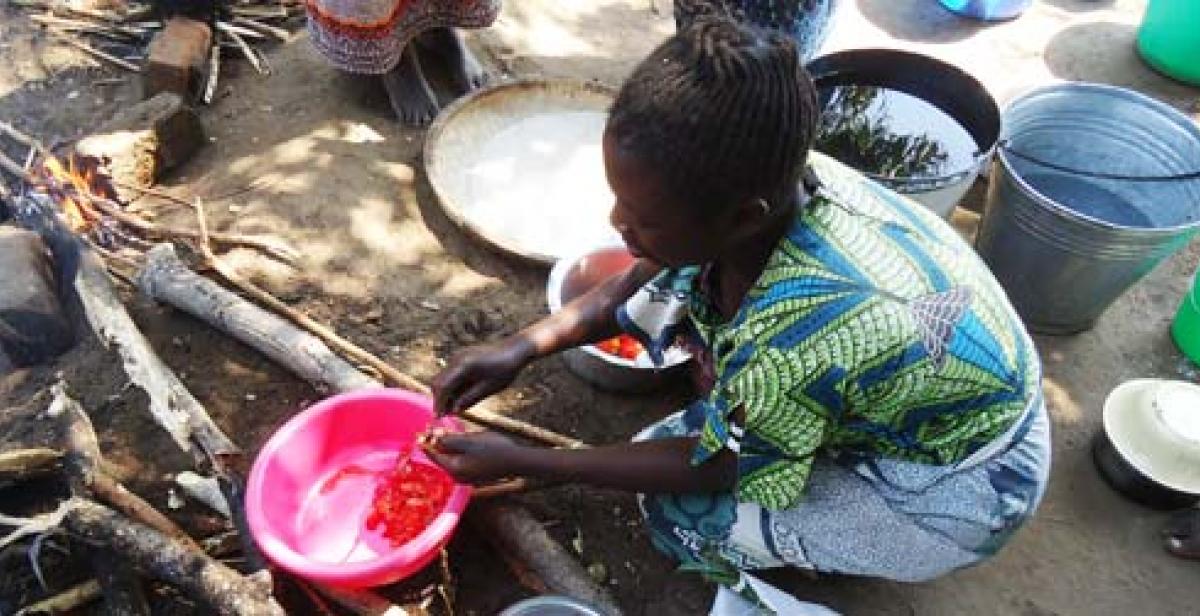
[[1192, 175]]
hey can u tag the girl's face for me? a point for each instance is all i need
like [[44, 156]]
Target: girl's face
[[656, 225]]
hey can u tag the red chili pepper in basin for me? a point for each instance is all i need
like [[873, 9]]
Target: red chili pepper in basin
[[407, 500]]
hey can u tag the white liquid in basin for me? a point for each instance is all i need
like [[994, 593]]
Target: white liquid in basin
[[540, 184]]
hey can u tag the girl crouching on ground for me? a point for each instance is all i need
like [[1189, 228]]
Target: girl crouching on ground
[[873, 404]]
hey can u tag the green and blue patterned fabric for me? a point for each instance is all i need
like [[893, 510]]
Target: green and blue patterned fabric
[[874, 330]]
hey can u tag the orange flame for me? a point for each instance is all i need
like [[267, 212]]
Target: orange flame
[[73, 187]]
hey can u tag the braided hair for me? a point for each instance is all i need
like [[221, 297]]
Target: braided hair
[[723, 112]]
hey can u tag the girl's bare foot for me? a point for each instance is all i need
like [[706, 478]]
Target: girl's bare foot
[[412, 99], [466, 73], [1181, 536]]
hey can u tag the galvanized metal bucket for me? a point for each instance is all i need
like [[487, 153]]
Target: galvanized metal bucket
[[1101, 206]]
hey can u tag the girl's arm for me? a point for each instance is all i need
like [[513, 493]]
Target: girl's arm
[[483, 370], [653, 466]]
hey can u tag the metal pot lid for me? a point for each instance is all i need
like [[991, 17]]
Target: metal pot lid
[[1155, 425]]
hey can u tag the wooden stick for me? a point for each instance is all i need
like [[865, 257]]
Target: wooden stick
[[129, 66], [318, 329], [59, 7], [245, 47], [280, 251], [279, 33], [86, 467], [234, 491], [278, 13], [319, 602], [21, 465], [12, 166], [214, 72], [154, 193], [166, 278], [64, 602], [306, 352], [362, 602], [276, 251], [105, 16], [119, 584], [484, 416], [479, 413], [25, 139], [172, 406], [555, 571], [239, 31], [170, 561], [503, 488], [123, 33], [117, 37]]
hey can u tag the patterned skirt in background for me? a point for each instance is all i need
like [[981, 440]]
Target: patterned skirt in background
[[883, 518], [368, 36]]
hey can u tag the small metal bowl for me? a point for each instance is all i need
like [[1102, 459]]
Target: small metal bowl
[[550, 605], [574, 276]]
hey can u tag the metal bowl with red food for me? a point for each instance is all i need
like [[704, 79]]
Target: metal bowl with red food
[[621, 363]]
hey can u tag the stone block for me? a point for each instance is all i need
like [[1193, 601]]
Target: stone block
[[33, 327]]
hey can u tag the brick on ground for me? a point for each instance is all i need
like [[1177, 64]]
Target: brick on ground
[[178, 59], [144, 141]]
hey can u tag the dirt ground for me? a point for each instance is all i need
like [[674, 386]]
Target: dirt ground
[[315, 157]]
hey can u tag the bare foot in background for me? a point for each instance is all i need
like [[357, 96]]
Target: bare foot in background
[[412, 99], [466, 73]]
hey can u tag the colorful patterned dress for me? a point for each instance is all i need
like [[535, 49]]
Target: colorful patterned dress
[[894, 423], [368, 36]]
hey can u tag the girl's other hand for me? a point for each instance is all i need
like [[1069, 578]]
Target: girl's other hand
[[476, 458], [479, 372]]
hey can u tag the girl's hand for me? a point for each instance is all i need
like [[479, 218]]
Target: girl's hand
[[479, 372], [477, 458]]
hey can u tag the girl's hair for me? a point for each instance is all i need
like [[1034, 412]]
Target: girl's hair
[[723, 112]]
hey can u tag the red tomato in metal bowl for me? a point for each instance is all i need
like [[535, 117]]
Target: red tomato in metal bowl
[[623, 346]]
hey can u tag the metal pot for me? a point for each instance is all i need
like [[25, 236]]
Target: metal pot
[[574, 276], [945, 86], [1149, 447], [550, 605], [1132, 483]]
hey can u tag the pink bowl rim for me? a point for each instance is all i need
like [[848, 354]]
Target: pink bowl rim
[[352, 573]]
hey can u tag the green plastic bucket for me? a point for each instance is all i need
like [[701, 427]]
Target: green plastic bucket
[[1169, 39], [1186, 328]]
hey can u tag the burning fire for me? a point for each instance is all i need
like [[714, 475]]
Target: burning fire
[[74, 187]]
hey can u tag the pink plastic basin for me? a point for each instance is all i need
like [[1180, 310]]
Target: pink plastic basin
[[307, 512]]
